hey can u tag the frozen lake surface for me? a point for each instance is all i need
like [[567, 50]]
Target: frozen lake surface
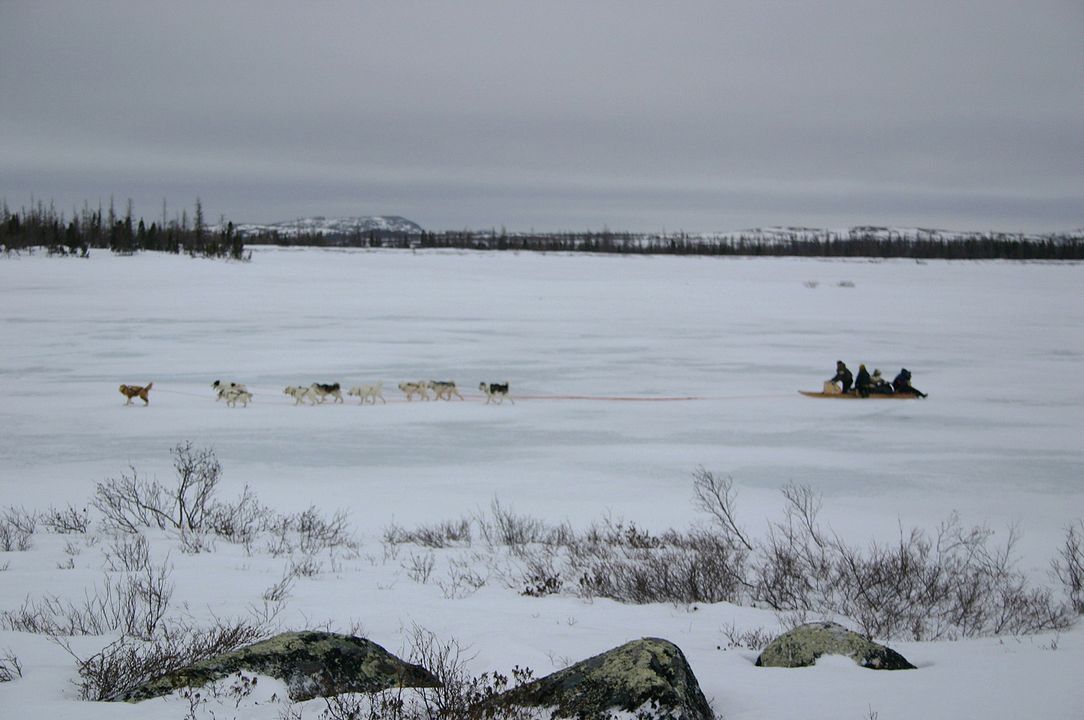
[[629, 373]]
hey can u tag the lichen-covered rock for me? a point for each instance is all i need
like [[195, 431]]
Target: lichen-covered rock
[[648, 677], [804, 644], [311, 664]]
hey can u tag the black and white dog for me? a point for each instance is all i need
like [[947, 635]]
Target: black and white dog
[[323, 392], [222, 389], [496, 392]]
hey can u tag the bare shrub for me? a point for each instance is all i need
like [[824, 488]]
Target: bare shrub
[[306, 566], [239, 521], [693, 567], [542, 575], [280, 591], [17, 527], [131, 502], [504, 527], [134, 605], [66, 520], [128, 553], [124, 665], [1068, 567], [316, 532], [10, 668], [716, 496], [756, 638], [420, 567], [952, 584], [441, 535], [196, 542], [463, 578]]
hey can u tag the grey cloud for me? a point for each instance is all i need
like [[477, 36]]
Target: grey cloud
[[702, 115]]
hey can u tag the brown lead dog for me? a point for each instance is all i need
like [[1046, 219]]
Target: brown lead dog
[[135, 391]]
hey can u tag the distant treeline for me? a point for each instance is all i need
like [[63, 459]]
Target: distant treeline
[[973, 246], [43, 226]]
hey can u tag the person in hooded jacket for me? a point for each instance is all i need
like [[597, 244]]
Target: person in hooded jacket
[[878, 385], [843, 375], [862, 382], [902, 384]]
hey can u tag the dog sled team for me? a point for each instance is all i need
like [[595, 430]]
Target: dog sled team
[[317, 393], [866, 385]]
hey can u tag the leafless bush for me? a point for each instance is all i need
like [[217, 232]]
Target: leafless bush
[[1068, 568], [124, 665], [952, 584], [441, 535], [131, 502], [128, 553], [280, 591], [134, 605], [306, 566], [541, 574], [463, 578], [716, 496], [756, 638], [66, 520], [316, 532], [196, 542], [504, 527], [17, 527], [420, 567], [239, 521], [692, 567], [10, 668]]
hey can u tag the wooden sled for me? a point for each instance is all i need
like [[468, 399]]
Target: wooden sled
[[856, 396]]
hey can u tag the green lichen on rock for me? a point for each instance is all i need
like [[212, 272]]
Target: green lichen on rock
[[804, 644], [648, 676], [310, 663]]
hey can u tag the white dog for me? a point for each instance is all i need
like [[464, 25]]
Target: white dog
[[222, 388], [234, 395], [496, 392], [368, 393], [323, 392], [299, 393], [444, 389], [415, 388]]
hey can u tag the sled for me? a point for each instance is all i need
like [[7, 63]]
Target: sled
[[856, 396]]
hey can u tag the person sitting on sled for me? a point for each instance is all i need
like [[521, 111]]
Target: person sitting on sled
[[902, 384], [843, 375], [878, 385], [862, 382]]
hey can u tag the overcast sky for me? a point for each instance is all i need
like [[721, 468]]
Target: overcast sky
[[714, 115]]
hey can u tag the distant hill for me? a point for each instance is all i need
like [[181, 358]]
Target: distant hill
[[332, 227]]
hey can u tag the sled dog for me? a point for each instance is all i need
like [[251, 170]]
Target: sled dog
[[415, 388], [323, 392], [443, 389], [137, 391], [299, 393], [496, 392], [368, 393]]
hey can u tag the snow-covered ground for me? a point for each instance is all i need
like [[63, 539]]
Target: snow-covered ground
[[723, 343]]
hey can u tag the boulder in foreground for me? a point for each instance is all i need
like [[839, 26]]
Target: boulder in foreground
[[311, 664], [802, 646], [648, 677]]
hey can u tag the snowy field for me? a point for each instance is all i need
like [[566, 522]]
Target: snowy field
[[629, 373]]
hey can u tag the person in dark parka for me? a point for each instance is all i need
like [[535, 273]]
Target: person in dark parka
[[862, 382], [843, 375], [902, 384]]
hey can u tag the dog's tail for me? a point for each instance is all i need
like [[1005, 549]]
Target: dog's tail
[[149, 386], [144, 394]]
